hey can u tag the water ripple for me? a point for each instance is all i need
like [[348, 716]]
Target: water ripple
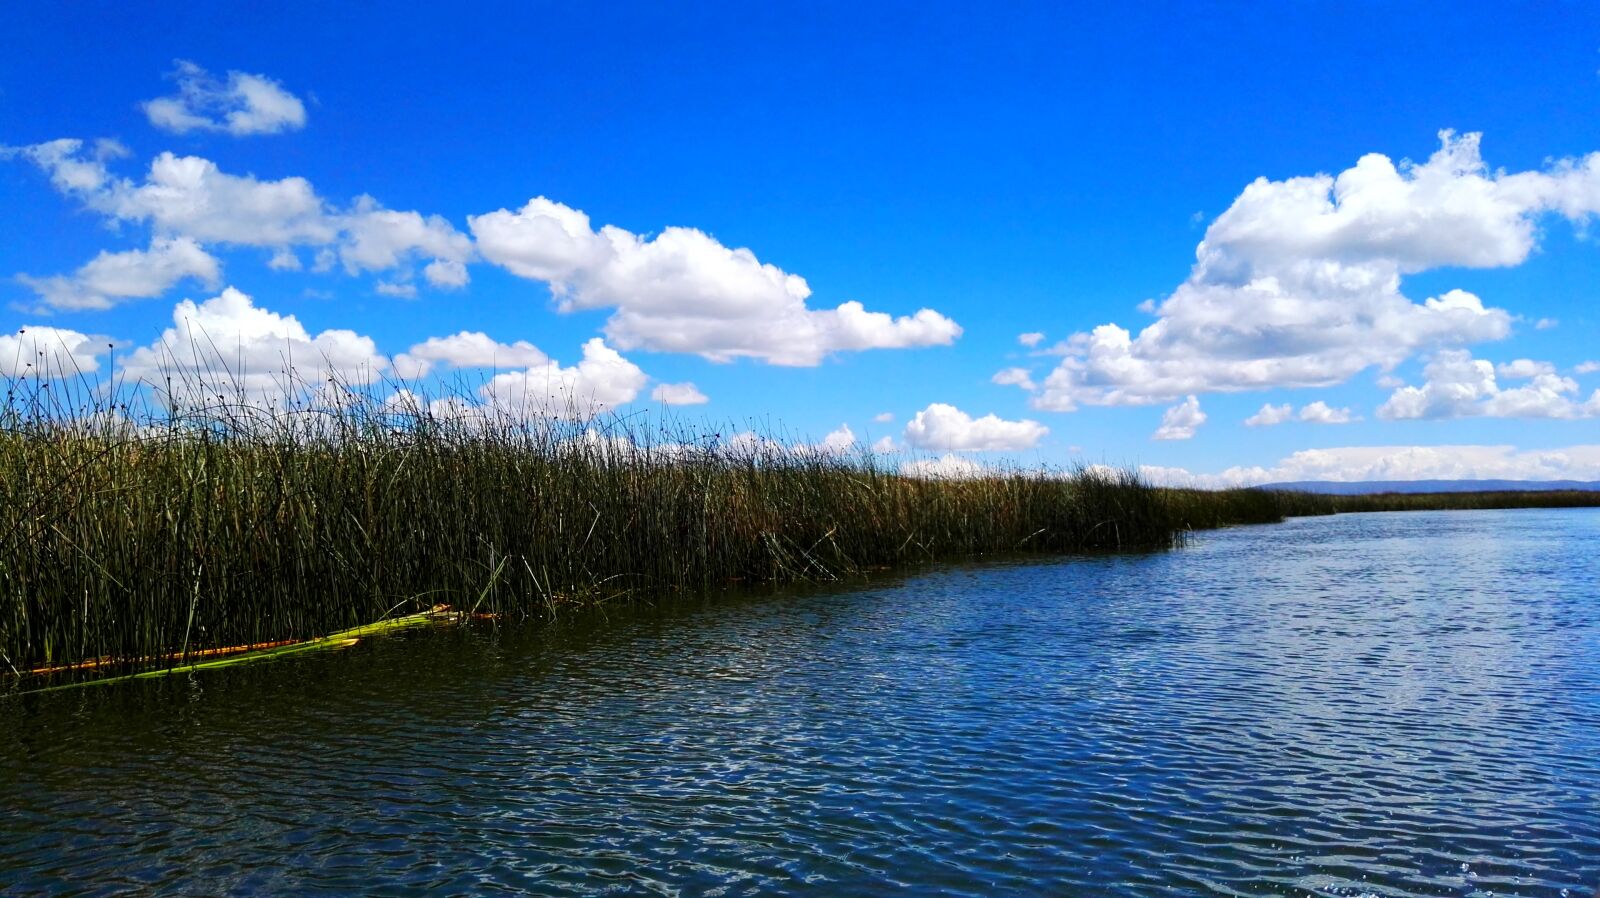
[[1373, 705]]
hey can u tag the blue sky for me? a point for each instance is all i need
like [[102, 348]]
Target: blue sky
[[1041, 169]]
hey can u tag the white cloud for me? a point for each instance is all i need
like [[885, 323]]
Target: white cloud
[[1586, 367], [284, 259], [602, 381], [1521, 369], [227, 347], [883, 417], [1320, 412], [467, 349], [1015, 377], [946, 428], [839, 442], [679, 394], [378, 239], [884, 445], [244, 104], [49, 353], [1180, 421], [1545, 324], [398, 289], [682, 291], [945, 467], [1030, 339], [1270, 415], [110, 278], [188, 197], [1458, 386], [1356, 463], [1297, 284], [447, 273]]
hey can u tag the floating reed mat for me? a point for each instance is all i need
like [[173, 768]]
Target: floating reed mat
[[229, 656]]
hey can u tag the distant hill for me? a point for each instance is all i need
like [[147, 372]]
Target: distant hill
[[1359, 487]]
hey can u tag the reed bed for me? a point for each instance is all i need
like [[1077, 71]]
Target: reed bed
[[1465, 501], [169, 530], [165, 533]]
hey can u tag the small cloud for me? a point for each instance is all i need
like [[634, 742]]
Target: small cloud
[[883, 417], [945, 427], [1181, 421], [884, 446], [946, 467], [1015, 377], [241, 105], [1270, 415], [1589, 367], [1522, 369], [284, 260], [1030, 339], [1545, 324], [1320, 413], [401, 290], [112, 278], [685, 393]]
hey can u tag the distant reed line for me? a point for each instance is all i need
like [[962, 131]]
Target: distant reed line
[[171, 529]]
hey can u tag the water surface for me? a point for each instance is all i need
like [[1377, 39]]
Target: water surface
[[1388, 705]]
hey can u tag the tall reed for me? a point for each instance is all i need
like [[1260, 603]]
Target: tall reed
[[207, 519], [139, 531]]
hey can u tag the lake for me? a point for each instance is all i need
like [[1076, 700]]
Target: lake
[[1380, 704]]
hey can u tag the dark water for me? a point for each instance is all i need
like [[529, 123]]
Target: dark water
[[1403, 704]]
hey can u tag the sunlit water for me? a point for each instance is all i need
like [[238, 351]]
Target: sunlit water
[[1402, 704]]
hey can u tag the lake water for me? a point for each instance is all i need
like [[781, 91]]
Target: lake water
[[1400, 704]]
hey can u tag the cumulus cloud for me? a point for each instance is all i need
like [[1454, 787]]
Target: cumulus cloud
[[1270, 415], [1456, 385], [884, 445], [602, 381], [379, 239], [1030, 339], [1318, 412], [241, 105], [839, 442], [1356, 463], [1586, 367], [110, 278], [883, 417], [1180, 421], [946, 428], [945, 467], [683, 291], [1298, 283], [1522, 369], [398, 289], [228, 348], [191, 198], [467, 349], [1014, 377], [679, 394], [50, 353]]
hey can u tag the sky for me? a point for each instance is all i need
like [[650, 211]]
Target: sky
[[1320, 241]]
